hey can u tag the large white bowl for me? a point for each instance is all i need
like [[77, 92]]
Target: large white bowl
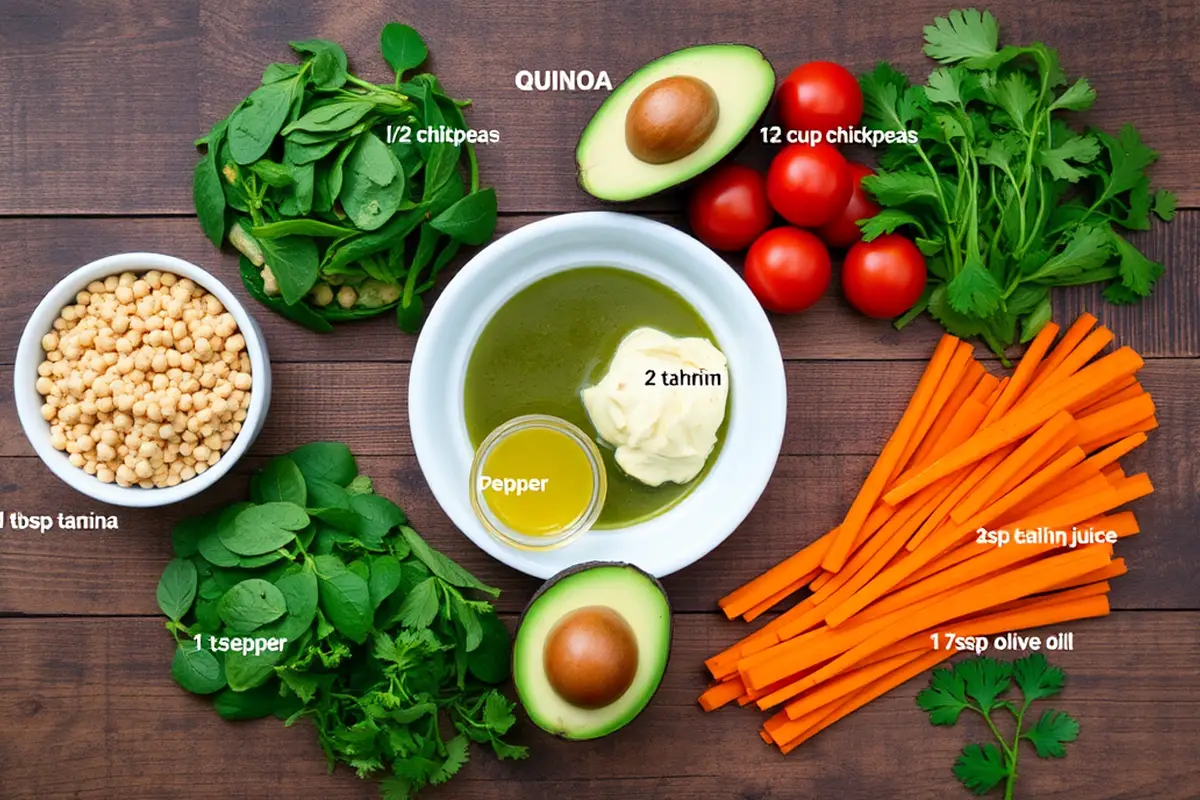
[[718, 505], [30, 355]]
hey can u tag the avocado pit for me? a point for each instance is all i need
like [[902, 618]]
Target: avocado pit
[[670, 119], [591, 657]]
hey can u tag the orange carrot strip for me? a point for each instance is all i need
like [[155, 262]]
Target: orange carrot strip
[[1009, 585], [1071, 339], [1145, 426], [999, 390], [1076, 510], [781, 595], [1114, 569], [1085, 471], [766, 737], [1020, 422], [966, 484], [964, 356], [839, 549], [1035, 616], [992, 485], [1023, 375], [721, 694], [989, 385], [963, 392], [1114, 473], [831, 691], [1115, 418], [821, 580], [1130, 390]]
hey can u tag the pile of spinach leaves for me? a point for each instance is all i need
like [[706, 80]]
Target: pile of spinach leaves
[[389, 643], [1004, 198], [336, 219]]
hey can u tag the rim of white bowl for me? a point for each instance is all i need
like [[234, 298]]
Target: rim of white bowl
[[30, 355], [426, 401]]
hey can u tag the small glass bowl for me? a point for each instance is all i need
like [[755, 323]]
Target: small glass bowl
[[505, 534]]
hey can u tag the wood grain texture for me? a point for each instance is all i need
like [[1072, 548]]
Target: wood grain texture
[[115, 572], [123, 95], [41, 251], [100, 718]]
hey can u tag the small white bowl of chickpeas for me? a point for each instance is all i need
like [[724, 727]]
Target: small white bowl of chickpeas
[[140, 379]]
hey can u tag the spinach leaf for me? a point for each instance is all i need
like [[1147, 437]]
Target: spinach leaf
[[177, 589], [373, 187], [262, 528], [403, 48], [208, 192], [246, 671], [299, 312], [281, 481], [250, 704], [345, 598], [251, 604], [471, 220], [491, 661], [252, 127], [294, 262], [198, 671], [331, 117], [299, 590], [331, 461], [443, 567], [384, 579], [375, 517], [301, 227]]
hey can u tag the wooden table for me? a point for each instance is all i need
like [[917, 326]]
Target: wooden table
[[99, 103]]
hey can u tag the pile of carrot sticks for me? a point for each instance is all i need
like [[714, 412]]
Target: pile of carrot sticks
[[1037, 451]]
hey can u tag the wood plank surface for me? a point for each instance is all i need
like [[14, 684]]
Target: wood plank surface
[[115, 572], [67, 65], [41, 251], [101, 103], [100, 718]]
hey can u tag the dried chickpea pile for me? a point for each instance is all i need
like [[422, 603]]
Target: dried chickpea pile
[[146, 380]]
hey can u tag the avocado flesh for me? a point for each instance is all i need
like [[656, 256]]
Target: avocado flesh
[[631, 593], [743, 82]]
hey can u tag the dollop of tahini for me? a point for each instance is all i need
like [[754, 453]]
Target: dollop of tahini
[[660, 405]]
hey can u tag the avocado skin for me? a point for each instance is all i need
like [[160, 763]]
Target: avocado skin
[[577, 569], [687, 174]]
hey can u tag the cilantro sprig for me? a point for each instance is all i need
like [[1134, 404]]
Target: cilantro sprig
[[390, 648], [1004, 198], [979, 685]]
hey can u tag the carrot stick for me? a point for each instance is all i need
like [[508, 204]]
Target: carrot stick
[[1091, 345], [721, 694], [1114, 569], [1071, 339], [1144, 426], [839, 550], [992, 485], [964, 356], [772, 601], [859, 699], [989, 384], [1115, 418], [766, 737], [1020, 422], [999, 390], [831, 691], [1023, 375], [961, 428], [1130, 390], [942, 512], [1083, 472], [1073, 511], [1009, 585], [821, 580], [963, 392]]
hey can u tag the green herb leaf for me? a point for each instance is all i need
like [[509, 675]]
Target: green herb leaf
[[197, 671], [294, 262], [177, 588], [247, 671], [263, 528], [1052, 730], [403, 48], [471, 220], [1164, 204], [974, 291], [186, 535], [300, 594], [1079, 97], [1138, 273], [384, 579], [946, 697], [281, 482], [208, 194], [252, 704], [251, 604], [985, 680], [332, 117], [1035, 677], [345, 598], [443, 567], [376, 516], [491, 662], [302, 227], [420, 605], [981, 768], [330, 461], [254, 124], [969, 37]]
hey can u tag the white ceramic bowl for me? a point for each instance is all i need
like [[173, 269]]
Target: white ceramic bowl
[[30, 355], [716, 507]]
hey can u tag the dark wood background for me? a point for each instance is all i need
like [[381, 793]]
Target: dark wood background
[[99, 103]]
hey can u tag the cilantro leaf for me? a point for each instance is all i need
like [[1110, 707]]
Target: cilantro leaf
[[1035, 677], [1164, 204], [1089, 247], [1015, 94], [898, 188], [1080, 149], [420, 605], [1128, 159], [965, 36], [1052, 730], [1138, 273], [1079, 97], [981, 768], [974, 290], [985, 680], [887, 221], [456, 756], [946, 697], [887, 104]]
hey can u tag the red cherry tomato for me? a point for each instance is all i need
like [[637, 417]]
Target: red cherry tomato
[[843, 231], [820, 96], [728, 208], [809, 184], [787, 269], [883, 278]]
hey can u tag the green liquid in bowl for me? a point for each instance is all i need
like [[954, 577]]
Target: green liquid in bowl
[[555, 338]]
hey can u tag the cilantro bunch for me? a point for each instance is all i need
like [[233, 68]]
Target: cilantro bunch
[[1004, 198], [978, 685], [392, 650]]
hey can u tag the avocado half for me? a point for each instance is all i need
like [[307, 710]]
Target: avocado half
[[743, 82], [627, 590]]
